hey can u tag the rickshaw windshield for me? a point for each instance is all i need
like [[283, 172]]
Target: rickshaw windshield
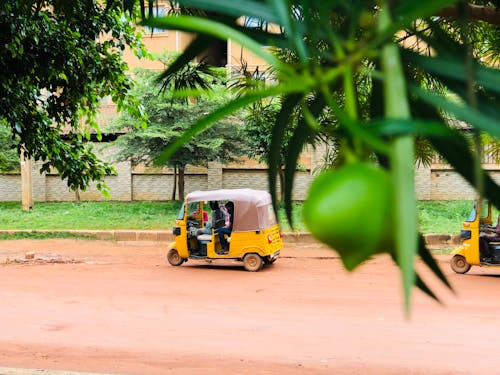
[[180, 215], [484, 208], [472, 214]]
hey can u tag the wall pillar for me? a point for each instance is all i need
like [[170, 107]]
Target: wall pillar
[[26, 182]]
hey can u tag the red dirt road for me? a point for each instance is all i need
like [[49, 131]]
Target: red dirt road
[[120, 308]]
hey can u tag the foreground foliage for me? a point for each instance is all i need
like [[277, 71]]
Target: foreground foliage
[[413, 93]]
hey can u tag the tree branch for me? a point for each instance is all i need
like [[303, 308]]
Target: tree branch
[[476, 12]]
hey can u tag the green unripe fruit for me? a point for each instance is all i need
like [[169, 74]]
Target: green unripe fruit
[[350, 209]]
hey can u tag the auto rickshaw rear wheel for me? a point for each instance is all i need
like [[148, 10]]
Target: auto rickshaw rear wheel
[[253, 262], [174, 258], [459, 264]]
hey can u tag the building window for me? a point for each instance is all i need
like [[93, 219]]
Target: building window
[[255, 23], [158, 11]]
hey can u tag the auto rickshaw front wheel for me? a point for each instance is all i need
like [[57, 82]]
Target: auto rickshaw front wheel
[[253, 262], [459, 264], [174, 258]]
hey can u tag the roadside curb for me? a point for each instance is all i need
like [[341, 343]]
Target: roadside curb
[[431, 240], [443, 240]]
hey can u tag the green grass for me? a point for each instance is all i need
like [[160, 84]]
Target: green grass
[[442, 216], [90, 215], [434, 216], [42, 235]]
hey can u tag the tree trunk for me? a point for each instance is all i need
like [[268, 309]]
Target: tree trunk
[[174, 189], [181, 184]]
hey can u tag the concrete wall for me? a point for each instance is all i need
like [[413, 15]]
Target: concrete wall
[[446, 184], [439, 182]]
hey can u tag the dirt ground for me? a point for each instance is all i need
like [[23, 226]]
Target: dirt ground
[[112, 307]]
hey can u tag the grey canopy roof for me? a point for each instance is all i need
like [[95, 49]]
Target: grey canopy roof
[[257, 197], [252, 208]]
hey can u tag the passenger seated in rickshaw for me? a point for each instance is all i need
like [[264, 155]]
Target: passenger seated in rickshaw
[[204, 215], [228, 226]]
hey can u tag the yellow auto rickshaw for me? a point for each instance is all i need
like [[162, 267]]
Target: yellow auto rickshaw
[[480, 240], [255, 236]]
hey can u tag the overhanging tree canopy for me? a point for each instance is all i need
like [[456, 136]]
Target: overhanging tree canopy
[[58, 59]]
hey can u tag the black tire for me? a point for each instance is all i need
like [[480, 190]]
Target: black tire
[[268, 260], [459, 264], [253, 262], [174, 258]]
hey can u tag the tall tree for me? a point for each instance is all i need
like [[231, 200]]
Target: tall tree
[[334, 42], [169, 118], [58, 59]]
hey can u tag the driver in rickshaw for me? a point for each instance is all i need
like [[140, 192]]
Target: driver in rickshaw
[[218, 219], [495, 237]]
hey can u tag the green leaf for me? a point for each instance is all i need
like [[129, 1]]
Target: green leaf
[[454, 67], [390, 127], [407, 11], [300, 137], [195, 48], [254, 9], [455, 150], [288, 104], [460, 111], [213, 28], [424, 288], [427, 258], [282, 9]]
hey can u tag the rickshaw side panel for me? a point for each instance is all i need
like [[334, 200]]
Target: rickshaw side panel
[[466, 250], [265, 242]]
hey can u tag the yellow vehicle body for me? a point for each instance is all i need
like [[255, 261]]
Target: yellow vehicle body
[[255, 238], [477, 249]]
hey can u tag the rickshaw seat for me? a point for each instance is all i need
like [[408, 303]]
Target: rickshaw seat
[[204, 238]]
